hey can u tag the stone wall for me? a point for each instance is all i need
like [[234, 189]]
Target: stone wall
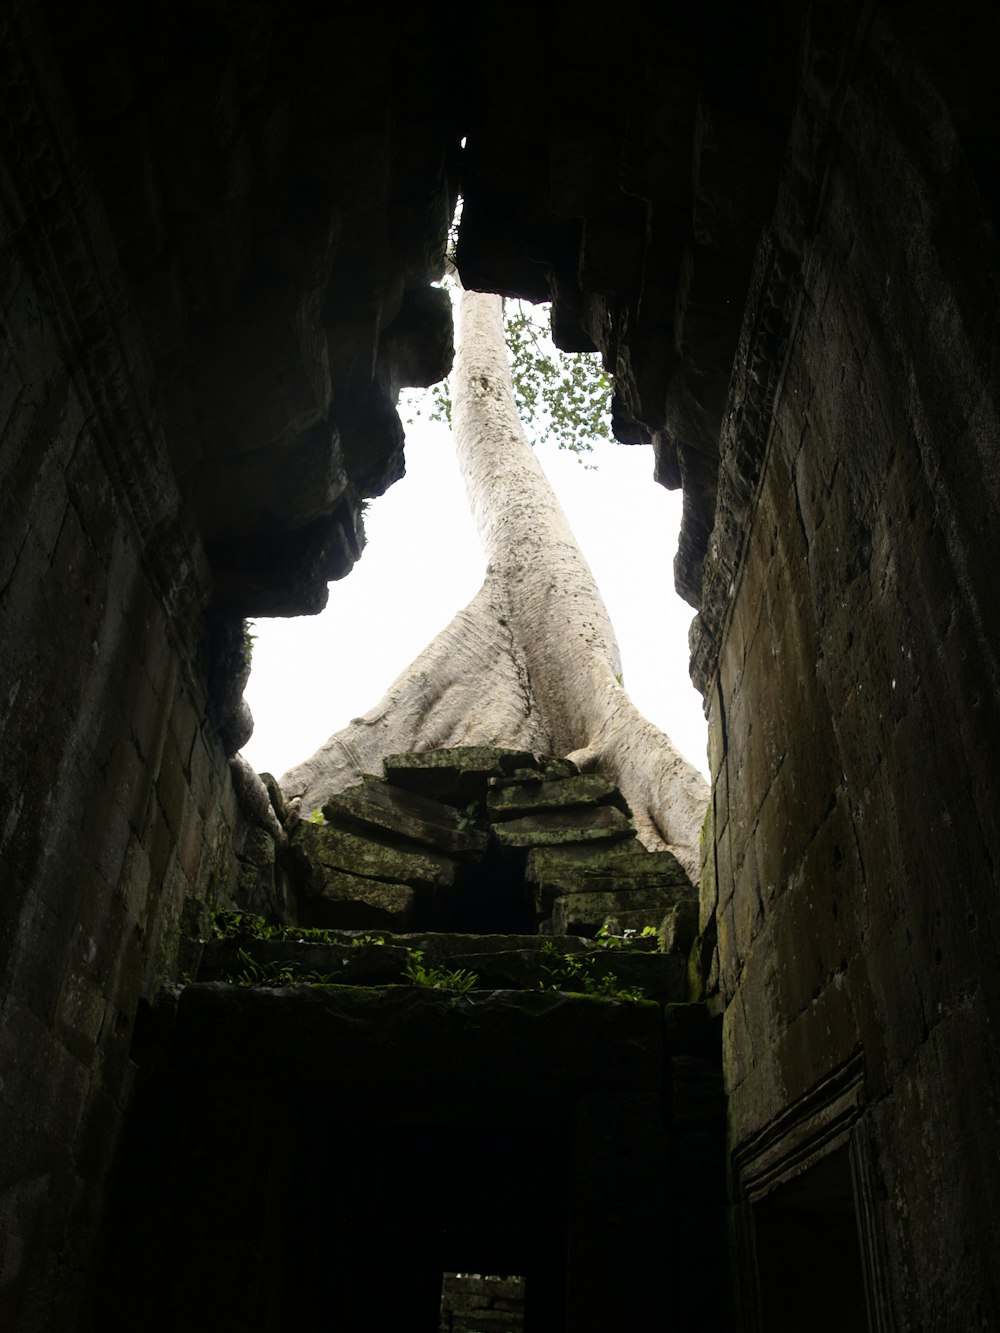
[[118, 816], [180, 290], [853, 709]]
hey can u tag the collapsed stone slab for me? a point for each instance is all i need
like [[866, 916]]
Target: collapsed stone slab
[[536, 845], [457, 775], [531, 794], [600, 823], [346, 900], [390, 809]]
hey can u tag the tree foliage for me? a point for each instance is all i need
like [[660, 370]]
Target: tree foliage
[[561, 398]]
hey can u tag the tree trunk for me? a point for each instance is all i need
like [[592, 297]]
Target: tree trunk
[[532, 661]]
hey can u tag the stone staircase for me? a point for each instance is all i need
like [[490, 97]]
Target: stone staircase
[[472, 1053]]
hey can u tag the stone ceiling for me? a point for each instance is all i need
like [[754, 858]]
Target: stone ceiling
[[279, 179]]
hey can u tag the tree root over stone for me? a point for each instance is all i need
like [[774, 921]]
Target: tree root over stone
[[532, 661]]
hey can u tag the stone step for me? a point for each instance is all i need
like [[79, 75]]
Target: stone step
[[498, 962]]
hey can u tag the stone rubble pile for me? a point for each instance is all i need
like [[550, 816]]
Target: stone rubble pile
[[475, 838]]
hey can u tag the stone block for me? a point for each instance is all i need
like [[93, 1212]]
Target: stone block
[[327, 849], [734, 179], [377, 805], [348, 901], [611, 255], [629, 926], [301, 480], [455, 776], [680, 928], [417, 348], [561, 871], [371, 436], [584, 913], [555, 827], [535, 797], [277, 572]]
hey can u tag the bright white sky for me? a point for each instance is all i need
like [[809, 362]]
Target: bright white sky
[[423, 562]]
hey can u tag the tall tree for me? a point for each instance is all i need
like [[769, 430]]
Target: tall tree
[[532, 661]]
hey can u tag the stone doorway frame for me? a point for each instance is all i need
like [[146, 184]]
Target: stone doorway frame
[[830, 1116]]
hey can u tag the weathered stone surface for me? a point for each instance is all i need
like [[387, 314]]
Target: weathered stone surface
[[585, 911], [622, 859], [377, 805], [327, 849], [526, 798], [282, 572], [581, 854], [418, 346], [680, 928], [474, 1304], [659, 875], [586, 824], [344, 900], [440, 946], [456, 776]]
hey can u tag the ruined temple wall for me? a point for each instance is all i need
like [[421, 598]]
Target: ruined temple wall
[[851, 876], [116, 807]]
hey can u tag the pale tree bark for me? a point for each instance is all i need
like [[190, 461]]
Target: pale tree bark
[[532, 661]]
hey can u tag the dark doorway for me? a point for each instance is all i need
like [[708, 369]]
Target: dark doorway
[[808, 1255], [375, 1220]]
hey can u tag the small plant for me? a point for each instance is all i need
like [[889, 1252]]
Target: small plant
[[418, 973], [308, 935], [469, 818], [609, 940], [362, 941], [317, 817], [228, 925], [255, 973], [570, 972]]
